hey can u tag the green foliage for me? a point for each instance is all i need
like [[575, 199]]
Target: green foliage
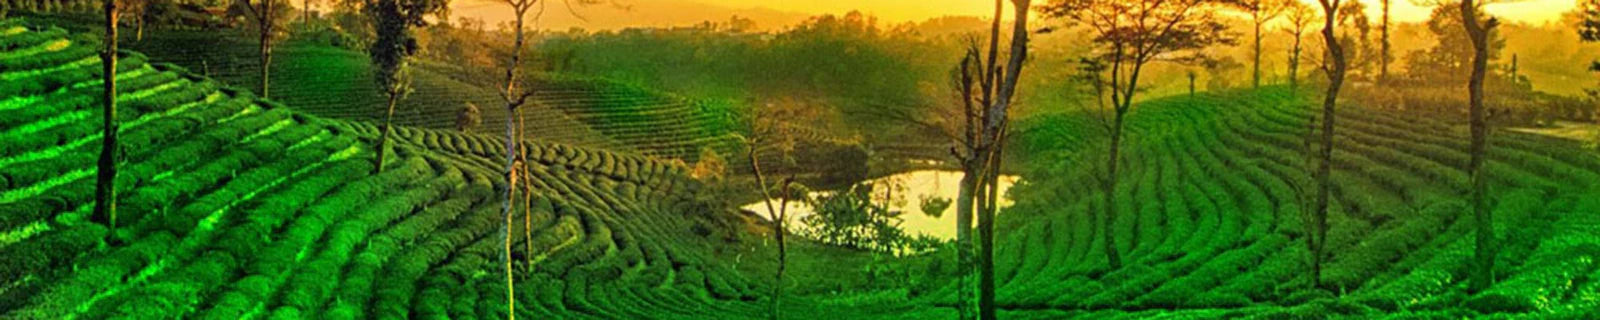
[[887, 64], [934, 206], [241, 208], [392, 21], [858, 218]]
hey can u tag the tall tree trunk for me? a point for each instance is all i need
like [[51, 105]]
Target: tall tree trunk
[[527, 194], [985, 260], [138, 27], [266, 46], [778, 230], [1483, 266], [967, 156], [1191, 83], [986, 224], [994, 123], [383, 140], [1384, 57], [964, 207], [105, 195], [1294, 65], [772, 212], [511, 189], [1256, 52], [512, 150], [1109, 188], [1324, 168]]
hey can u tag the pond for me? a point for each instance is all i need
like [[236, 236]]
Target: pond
[[918, 184]]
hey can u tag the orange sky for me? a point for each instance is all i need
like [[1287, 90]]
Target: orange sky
[[900, 10], [779, 13]]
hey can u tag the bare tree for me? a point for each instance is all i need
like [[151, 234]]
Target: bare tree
[[1335, 66], [261, 13], [968, 71], [1261, 13], [306, 10], [1588, 26], [514, 98], [1478, 33], [981, 165], [137, 9], [1299, 17], [1130, 35], [771, 130], [105, 192], [1385, 57]]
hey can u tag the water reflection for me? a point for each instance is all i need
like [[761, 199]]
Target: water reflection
[[916, 185]]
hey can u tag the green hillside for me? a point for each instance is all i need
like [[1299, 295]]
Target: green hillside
[[235, 207], [1214, 229], [335, 82]]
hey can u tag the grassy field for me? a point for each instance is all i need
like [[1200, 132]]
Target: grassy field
[[238, 207]]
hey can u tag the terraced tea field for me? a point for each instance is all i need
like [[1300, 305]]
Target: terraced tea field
[[235, 207], [334, 82], [1213, 226]]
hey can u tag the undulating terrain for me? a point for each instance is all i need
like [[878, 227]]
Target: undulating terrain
[[235, 207]]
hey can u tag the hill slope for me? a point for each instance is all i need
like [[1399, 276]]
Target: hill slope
[[1210, 225], [335, 82], [236, 207]]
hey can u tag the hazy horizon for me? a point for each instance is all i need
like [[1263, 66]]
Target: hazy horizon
[[776, 14]]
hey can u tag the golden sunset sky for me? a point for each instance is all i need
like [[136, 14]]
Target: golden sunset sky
[[902, 10], [779, 13]]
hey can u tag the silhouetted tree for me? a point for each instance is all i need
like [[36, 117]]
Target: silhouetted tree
[[1479, 32], [1299, 16], [514, 98], [138, 9], [1450, 61], [1128, 35], [1385, 56], [105, 191], [1588, 13], [1334, 65], [305, 7], [395, 43], [1261, 13], [772, 129], [968, 72], [981, 167], [262, 16]]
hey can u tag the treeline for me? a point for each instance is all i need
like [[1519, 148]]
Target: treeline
[[848, 62]]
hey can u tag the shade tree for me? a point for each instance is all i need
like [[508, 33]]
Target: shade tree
[[1298, 17], [391, 50], [1261, 13], [1127, 37], [1334, 65]]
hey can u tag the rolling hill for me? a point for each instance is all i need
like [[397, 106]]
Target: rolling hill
[[238, 207], [335, 82]]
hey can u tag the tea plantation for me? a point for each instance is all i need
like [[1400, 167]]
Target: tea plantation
[[1214, 227], [234, 207], [336, 82]]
